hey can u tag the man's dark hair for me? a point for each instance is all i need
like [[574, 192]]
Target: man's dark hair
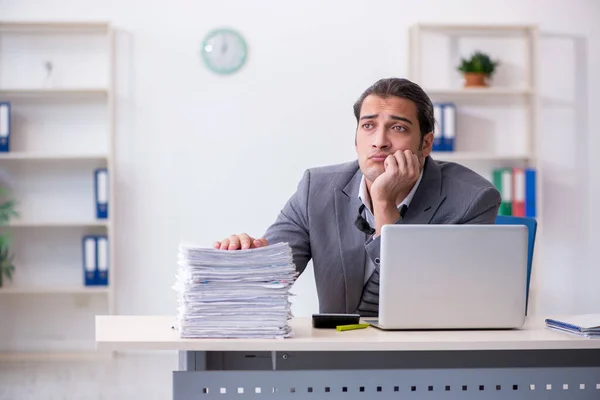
[[406, 89]]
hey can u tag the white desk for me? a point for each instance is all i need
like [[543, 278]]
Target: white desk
[[531, 363]]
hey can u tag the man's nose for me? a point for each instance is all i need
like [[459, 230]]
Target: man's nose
[[381, 140]]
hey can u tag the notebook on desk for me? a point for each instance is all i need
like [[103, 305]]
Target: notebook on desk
[[452, 277], [586, 325]]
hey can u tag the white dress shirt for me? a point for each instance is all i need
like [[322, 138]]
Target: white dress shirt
[[364, 197]]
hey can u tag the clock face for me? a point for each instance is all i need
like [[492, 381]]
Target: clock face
[[224, 51]]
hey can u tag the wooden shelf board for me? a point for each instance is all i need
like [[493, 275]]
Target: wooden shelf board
[[54, 289], [478, 92], [54, 27], [482, 28], [52, 157], [88, 92], [58, 224], [477, 156]]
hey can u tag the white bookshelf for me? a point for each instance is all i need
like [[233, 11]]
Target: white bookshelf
[[62, 130], [496, 126]]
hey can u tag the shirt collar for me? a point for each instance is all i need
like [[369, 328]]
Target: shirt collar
[[364, 197]]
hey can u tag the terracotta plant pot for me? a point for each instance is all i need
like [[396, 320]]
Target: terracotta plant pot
[[474, 79]]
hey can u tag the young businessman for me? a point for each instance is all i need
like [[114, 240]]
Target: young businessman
[[336, 214]]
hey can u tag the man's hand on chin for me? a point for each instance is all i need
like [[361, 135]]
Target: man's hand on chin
[[402, 171]]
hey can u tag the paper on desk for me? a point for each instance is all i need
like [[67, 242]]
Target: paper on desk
[[583, 325], [234, 294], [583, 321]]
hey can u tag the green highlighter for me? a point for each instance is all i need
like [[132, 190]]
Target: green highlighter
[[351, 327]]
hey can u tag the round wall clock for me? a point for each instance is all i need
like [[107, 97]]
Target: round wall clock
[[224, 51]]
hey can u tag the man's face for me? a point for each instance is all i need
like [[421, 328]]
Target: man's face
[[385, 126]]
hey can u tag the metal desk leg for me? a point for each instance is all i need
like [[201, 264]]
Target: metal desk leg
[[192, 361]]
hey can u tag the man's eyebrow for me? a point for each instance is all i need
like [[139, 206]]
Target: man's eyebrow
[[401, 119], [396, 117], [369, 116]]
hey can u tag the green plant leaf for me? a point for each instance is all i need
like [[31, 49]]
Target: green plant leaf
[[10, 269], [478, 62], [7, 212]]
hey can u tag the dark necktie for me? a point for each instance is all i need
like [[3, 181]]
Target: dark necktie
[[363, 225], [369, 302]]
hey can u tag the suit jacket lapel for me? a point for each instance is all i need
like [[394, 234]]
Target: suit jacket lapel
[[352, 240], [428, 196]]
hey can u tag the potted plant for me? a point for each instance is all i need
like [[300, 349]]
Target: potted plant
[[7, 212], [478, 69]]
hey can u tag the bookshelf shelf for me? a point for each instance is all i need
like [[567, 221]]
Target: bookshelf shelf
[[59, 80], [55, 27], [54, 290], [479, 156], [58, 224], [476, 29], [35, 156], [74, 92], [480, 92]]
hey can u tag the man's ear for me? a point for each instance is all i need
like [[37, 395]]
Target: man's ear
[[427, 144]]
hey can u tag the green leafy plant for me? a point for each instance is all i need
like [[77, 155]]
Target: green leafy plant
[[479, 62], [7, 268], [7, 212]]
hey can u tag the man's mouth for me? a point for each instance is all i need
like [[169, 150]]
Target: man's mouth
[[378, 157]]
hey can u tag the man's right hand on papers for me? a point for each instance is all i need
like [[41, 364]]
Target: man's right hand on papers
[[242, 241]]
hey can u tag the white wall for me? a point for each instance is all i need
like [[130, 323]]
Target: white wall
[[244, 140]]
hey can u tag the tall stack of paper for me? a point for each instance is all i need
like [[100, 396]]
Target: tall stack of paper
[[234, 294]]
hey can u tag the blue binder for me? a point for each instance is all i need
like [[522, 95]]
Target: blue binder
[[4, 127], [438, 131], [103, 260], [90, 260], [445, 115], [101, 192], [530, 198], [531, 224]]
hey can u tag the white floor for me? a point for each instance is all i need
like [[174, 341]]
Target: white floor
[[124, 377]]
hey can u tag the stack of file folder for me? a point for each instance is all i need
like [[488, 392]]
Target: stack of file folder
[[234, 293], [587, 325]]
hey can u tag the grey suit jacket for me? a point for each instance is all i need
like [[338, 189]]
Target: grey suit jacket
[[318, 222]]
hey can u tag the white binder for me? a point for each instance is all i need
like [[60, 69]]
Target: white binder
[[89, 260], [102, 260]]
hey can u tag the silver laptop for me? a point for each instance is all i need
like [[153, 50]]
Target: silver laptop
[[452, 277]]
